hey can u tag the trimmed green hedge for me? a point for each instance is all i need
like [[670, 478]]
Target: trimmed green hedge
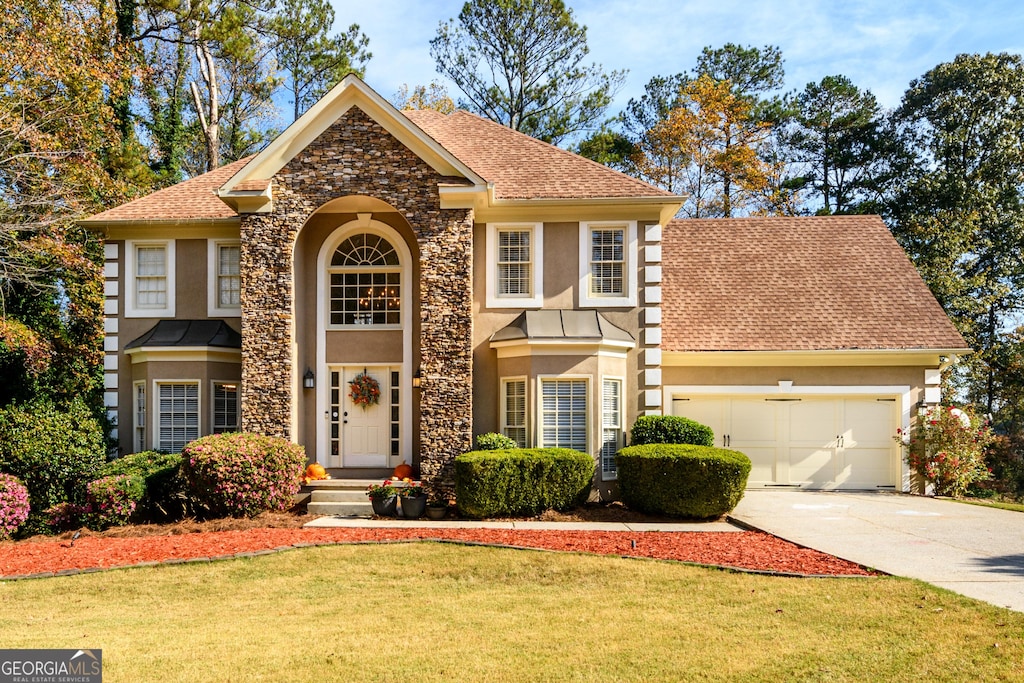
[[521, 481], [697, 482], [160, 474], [650, 429]]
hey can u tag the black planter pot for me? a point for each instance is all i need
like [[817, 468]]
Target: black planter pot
[[385, 507], [413, 506]]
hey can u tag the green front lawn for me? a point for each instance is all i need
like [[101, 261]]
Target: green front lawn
[[431, 612], [1002, 505]]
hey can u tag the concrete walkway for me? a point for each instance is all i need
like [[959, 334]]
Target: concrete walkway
[[362, 523], [973, 550]]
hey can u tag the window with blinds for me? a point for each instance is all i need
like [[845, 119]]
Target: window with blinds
[[178, 412], [564, 413], [514, 263], [611, 426], [229, 281], [225, 407], [514, 411], [140, 416], [151, 276]]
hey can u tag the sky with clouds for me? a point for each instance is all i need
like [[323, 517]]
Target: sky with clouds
[[880, 45]]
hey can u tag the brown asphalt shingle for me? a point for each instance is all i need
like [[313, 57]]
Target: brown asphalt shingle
[[191, 199], [794, 284], [522, 167]]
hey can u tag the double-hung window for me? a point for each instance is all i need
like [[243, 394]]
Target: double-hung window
[[608, 264], [611, 426], [225, 407], [514, 265], [513, 410], [150, 268], [225, 280]]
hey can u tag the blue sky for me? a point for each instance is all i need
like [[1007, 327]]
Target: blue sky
[[880, 45]]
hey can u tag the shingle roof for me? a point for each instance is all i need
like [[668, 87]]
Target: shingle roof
[[522, 167], [191, 199], [794, 284]]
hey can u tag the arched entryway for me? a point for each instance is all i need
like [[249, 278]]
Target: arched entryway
[[356, 322]]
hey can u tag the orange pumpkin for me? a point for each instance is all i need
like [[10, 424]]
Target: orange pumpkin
[[315, 471], [403, 471]]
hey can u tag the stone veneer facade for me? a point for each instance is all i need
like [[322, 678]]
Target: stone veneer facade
[[356, 156]]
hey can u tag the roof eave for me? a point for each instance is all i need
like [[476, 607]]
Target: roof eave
[[822, 357]]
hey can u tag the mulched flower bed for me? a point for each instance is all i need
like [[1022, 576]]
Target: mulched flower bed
[[748, 550]]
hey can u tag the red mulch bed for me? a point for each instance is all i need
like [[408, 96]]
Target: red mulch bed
[[748, 550]]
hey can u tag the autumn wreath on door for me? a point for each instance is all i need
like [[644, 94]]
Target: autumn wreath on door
[[364, 390]]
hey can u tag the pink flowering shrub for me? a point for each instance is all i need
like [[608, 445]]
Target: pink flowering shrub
[[111, 501], [242, 474], [13, 505], [947, 446], [65, 516]]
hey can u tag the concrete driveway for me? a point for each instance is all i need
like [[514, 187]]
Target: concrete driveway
[[973, 550]]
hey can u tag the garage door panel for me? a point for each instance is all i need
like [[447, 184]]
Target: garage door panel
[[812, 422], [866, 468], [762, 464], [814, 442], [868, 423], [812, 467], [710, 412], [753, 421]]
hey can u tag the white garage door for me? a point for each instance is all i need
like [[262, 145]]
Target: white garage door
[[813, 442]]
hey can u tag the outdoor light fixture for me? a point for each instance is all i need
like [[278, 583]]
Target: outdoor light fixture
[[309, 379], [416, 379]]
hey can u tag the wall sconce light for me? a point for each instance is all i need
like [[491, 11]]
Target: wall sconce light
[[309, 379], [416, 379]]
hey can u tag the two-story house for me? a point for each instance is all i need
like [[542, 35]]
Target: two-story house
[[486, 281]]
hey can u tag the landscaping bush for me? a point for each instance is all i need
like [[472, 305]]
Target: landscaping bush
[[65, 516], [492, 441], [650, 429], [14, 506], [521, 481], [112, 500], [698, 482], [160, 474], [241, 474], [55, 452], [946, 446]]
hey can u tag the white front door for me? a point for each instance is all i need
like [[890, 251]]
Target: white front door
[[360, 434]]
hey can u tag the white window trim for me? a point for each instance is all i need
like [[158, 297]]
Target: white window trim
[[539, 408], [213, 403], [213, 307], [536, 262], [629, 268], [154, 402], [622, 420], [136, 446], [503, 397], [131, 309]]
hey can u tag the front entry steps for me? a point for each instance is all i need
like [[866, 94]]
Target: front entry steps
[[339, 497]]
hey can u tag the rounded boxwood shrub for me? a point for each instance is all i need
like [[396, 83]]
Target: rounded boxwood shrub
[[164, 488], [521, 481], [54, 451], [492, 441], [670, 429], [697, 482], [242, 474], [14, 506]]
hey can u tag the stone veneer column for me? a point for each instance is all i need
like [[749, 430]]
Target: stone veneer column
[[356, 156]]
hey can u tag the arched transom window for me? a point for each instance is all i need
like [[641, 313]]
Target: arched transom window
[[365, 282]]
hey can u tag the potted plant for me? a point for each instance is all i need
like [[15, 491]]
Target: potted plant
[[383, 498], [414, 499], [437, 508]]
